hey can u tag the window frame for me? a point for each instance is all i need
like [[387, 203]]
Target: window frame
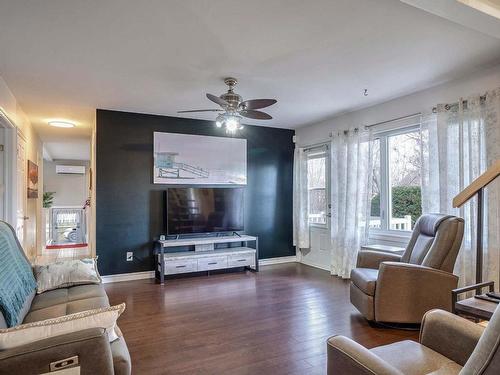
[[385, 233], [316, 152]]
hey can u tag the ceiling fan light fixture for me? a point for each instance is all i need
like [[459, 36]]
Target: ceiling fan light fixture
[[234, 108], [219, 121], [232, 124]]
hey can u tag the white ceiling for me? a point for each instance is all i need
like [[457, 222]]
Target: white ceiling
[[69, 149], [63, 59]]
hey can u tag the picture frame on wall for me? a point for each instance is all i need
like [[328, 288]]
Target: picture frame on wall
[[199, 159], [32, 180]]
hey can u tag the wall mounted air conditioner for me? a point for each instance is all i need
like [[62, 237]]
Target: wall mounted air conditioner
[[70, 169]]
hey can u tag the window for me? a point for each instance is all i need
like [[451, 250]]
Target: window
[[396, 200], [317, 177]]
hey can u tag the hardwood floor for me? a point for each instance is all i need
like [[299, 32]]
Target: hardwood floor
[[272, 322]]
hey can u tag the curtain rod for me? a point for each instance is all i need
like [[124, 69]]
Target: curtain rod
[[317, 145], [447, 107], [394, 119]]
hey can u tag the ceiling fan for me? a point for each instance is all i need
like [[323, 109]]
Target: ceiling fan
[[234, 108]]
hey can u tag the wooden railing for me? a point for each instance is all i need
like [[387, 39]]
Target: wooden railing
[[478, 184], [477, 187]]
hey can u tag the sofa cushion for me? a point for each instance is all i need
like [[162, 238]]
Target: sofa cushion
[[51, 298], [24, 334], [412, 358], [65, 301], [365, 279], [66, 273]]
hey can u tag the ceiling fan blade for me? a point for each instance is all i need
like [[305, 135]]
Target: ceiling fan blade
[[257, 115], [202, 110], [217, 100], [257, 103]]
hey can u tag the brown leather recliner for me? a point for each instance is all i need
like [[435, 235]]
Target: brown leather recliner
[[387, 287], [448, 345]]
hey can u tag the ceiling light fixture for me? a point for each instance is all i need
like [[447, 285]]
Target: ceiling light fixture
[[234, 108], [232, 124], [61, 124], [219, 121], [229, 121]]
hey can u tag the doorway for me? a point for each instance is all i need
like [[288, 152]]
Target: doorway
[[319, 211], [66, 199], [7, 170], [21, 189]]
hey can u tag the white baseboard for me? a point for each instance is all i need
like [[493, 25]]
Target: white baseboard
[[151, 274], [279, 260], [321, 267], [128, 277]]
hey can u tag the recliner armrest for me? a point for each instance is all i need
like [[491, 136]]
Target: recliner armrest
[[91, 346], [405, 292], [372, 258], [346, 357], [448, 334]]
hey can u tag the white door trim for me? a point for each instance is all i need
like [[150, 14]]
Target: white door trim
[[9, 167]]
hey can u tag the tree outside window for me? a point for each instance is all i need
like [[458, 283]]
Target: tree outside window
[[396, 195], [316, 185]]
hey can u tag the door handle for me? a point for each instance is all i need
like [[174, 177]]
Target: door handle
[[26, 217]]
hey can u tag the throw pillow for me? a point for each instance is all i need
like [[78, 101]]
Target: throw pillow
[[66, 273], [26, 333]]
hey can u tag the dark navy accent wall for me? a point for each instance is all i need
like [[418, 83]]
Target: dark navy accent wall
[[129, 208]]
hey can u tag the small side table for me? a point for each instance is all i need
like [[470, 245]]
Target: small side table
[[473, 307]]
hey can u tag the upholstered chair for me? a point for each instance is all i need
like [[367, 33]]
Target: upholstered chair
[[387, 287], [448, 345]]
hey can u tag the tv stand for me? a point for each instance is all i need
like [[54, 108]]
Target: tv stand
[[207, 255]]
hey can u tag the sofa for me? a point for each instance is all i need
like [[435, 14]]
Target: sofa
[[96, 355], [448, 345]]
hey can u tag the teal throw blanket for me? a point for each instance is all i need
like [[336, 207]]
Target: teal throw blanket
[[16, 276]]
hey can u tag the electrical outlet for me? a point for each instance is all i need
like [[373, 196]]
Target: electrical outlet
[[130, 256]]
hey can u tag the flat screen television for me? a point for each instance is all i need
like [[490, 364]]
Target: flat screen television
[[204, 210]]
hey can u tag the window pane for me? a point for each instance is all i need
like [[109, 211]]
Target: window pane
[[375, 220], [405, 167], [317, 206], [316, 168], [316, 181]]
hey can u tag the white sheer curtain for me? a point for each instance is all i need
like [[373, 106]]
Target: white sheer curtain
[[459, 143], [351, 168], [300, 200]]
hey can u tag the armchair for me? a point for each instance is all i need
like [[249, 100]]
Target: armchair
[[448, 344], [388, 287]]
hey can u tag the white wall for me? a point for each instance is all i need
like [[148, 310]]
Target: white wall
[[421, 101], [10, 106], [70, 190]]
